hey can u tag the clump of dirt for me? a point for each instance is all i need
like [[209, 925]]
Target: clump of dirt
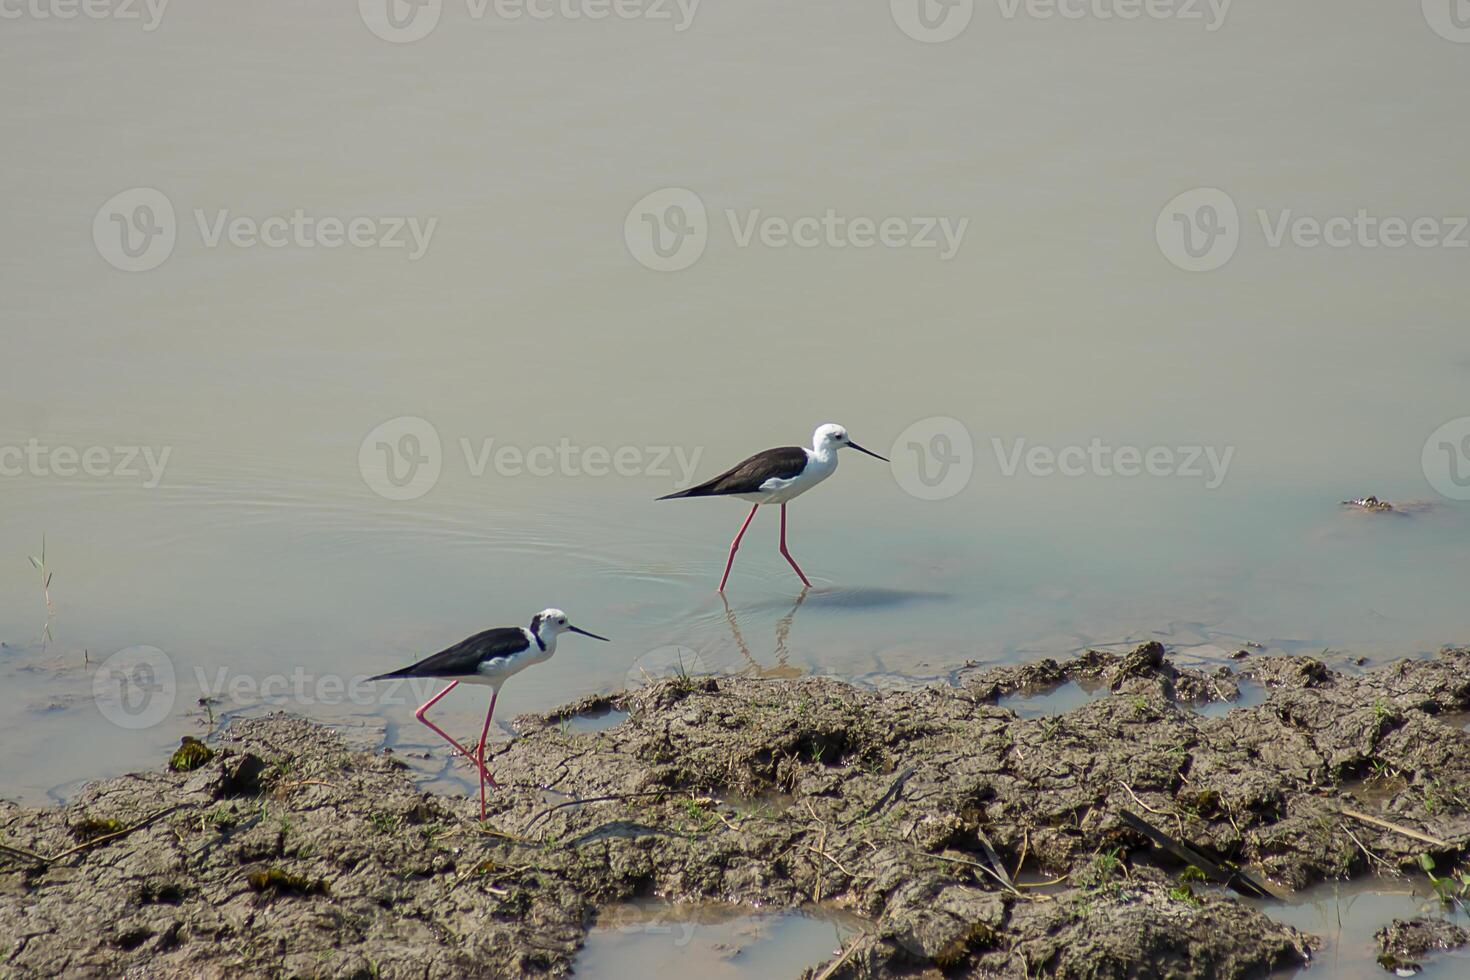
[[931, 813], [1406, 940]]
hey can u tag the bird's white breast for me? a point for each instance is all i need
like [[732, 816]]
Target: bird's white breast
[[496, 670]]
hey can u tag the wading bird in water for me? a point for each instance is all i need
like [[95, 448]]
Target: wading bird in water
[[775, 477], [489, 658]]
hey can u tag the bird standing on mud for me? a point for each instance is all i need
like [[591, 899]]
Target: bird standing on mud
[[776, 476], [488, 658]]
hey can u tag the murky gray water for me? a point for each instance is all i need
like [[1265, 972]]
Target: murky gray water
[[217, 445]]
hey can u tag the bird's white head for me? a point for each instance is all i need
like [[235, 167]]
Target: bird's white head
[[831, 437], [550, 623]]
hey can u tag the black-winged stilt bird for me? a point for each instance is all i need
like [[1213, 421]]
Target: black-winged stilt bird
[[489, 658], [775, 477]]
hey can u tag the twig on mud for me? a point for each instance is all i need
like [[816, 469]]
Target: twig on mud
[[1367, 853], [1158, 813], [492, 832], [1025, 845], [976, 864], [22, 852], [305, 782], [890, 794], [850, 874], [609, 798], [486, 867], [94, 841], [820, 848], [1395, 827], [1043, 884], [836, 964]]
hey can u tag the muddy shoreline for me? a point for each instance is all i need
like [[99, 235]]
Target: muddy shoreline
[[932, 814]]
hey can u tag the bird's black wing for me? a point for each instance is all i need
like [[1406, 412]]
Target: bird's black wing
[[748, 476], [465, 657]]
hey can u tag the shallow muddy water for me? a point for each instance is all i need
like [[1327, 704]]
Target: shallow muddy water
[[710, 941], [1347, 914], [243, 523]]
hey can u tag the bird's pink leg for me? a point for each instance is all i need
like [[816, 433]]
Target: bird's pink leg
[[419, 714], [484, 734], [794, 565], [735, 546]]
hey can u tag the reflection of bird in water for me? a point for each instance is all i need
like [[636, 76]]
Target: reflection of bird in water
[[782, 668]]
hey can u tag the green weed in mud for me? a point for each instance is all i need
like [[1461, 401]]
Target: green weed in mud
[[383, 823], [190, 755], [279, 882], [1185, 894], [1104, 875], [1438, 798], [699, 811], [220, 818], [91, 828], [1453, 889]]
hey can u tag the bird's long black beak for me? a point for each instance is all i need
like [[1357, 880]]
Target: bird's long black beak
[[576, 629], [868, 451]]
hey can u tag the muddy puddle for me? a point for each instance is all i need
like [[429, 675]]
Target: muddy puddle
[[1346, 915], [711, 941], [595, 721], [1058, 700]]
